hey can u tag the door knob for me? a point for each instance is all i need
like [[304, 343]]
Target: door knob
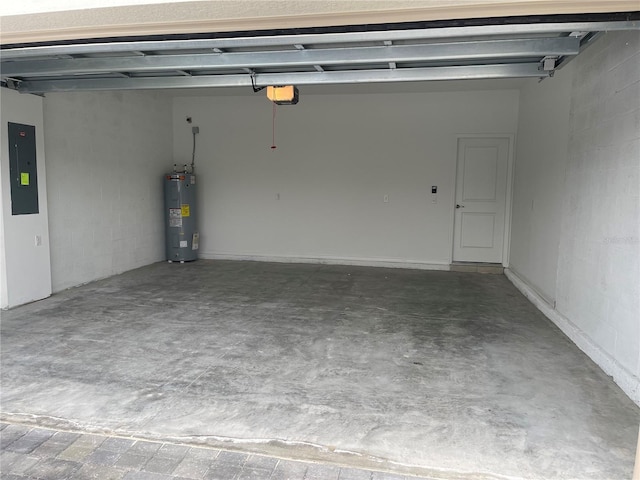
[[459, 206]]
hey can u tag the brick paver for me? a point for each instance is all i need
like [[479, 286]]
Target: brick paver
[[28, 453]]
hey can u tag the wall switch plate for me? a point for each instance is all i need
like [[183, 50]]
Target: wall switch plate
[[385, 199], [38, 241]]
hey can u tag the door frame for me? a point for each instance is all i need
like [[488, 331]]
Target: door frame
[[506, 243]]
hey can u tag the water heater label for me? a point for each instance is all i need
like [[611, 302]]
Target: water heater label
[[195, 241], [183, 244], [175, 217], [186, 210]]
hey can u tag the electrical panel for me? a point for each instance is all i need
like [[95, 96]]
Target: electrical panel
[[23, 169]]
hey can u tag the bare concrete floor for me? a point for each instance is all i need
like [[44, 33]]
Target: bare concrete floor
[[449, 375]]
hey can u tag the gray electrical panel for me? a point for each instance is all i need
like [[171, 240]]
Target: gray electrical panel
[[23, 169], [182, 237]]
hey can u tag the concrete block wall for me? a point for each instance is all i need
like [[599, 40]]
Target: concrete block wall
[[541, 157], [599, 253], [589, 229], [107, 153]]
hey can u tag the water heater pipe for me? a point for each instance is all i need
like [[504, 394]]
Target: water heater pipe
[[194, 131]]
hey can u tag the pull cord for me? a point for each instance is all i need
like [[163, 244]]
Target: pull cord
[[273, 128]]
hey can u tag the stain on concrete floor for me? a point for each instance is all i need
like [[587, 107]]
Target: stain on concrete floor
[[451, 375]]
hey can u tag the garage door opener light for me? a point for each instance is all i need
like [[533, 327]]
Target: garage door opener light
[[283, 94]]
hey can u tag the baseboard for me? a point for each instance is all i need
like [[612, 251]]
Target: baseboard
[[360, 262], [22, 303], [629, 383]]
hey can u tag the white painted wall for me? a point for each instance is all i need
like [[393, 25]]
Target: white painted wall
[[3, 262], [25, 273], [106, 154], [337, 157], [541, 158], [599, 255], [597, 286]]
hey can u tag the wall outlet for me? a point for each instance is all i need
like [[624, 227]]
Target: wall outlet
[[38, 241], [385, 199]]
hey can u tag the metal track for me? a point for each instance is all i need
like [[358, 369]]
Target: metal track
[[426, 54]]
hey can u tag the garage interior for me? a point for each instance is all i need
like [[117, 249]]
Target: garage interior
[[435, 271]]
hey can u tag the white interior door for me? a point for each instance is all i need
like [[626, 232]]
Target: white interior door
[[481, 193]]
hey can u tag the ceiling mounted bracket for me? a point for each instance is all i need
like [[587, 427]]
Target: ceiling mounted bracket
[[12, 83], [548, 64], [253, 82]]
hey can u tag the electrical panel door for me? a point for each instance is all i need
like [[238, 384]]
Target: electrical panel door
[[23, 169]]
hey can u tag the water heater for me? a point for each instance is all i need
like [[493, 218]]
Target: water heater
[[182, 237]]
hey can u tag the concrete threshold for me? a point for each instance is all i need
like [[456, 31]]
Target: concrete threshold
[[473, 267]]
